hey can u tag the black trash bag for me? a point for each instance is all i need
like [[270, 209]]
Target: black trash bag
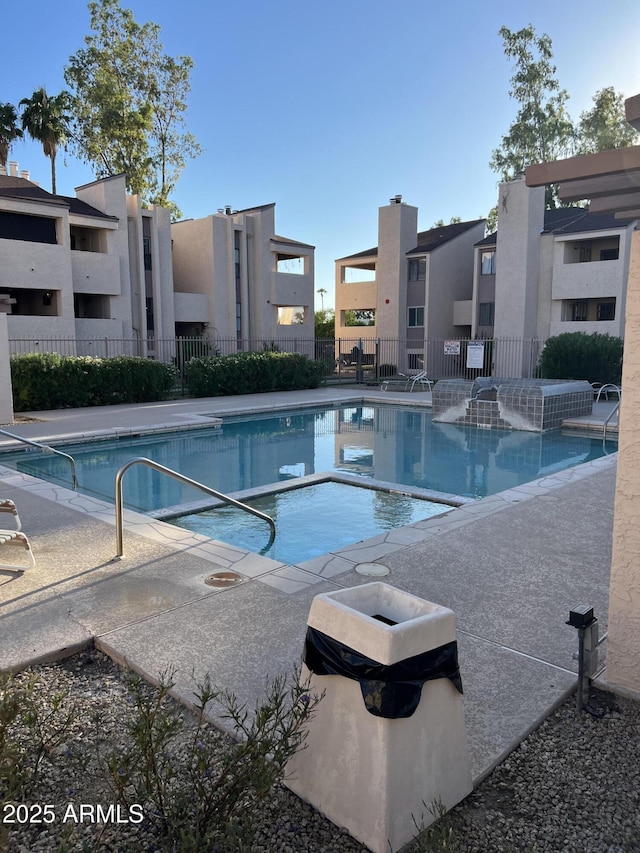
[[389, 690]]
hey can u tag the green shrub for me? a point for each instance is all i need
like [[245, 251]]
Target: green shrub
[[193, 783], [51, 381], [387, 370], [251, 373], [577, 355]]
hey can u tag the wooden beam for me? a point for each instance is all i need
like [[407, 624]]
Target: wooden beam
[[601, 186], [613, 203], [632, 111], [584, 166], [628, 214]]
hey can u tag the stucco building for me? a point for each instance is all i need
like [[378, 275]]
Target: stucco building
[[412, 287], [101, 273], [236, 280], [545, 272], [86, 268]]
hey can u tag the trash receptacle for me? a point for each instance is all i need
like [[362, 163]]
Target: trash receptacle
[[387, 741]]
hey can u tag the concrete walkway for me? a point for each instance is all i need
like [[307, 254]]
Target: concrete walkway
[[511, 566]]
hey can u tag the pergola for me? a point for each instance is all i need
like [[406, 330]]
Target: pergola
[[611, 182], [609, 179]]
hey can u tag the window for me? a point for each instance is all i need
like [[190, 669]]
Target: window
[[415, 361], [585, 254], [146, 251], [416, 316], [609, 254], [34, 229], [417, 269], [488, 263], [579, 310], [606, 311], [486, 313]]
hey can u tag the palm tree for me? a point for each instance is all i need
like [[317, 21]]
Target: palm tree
[[322, 292], [9, 130], [45, 119]]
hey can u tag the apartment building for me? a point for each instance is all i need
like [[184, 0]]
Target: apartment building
[[236, 279], [88, 268], [413, 286], [105, 274], [545, 272]]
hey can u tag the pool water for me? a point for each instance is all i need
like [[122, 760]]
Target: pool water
[[388, 443], [311, 521]]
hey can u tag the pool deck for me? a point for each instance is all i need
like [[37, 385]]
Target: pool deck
[[510, 566]]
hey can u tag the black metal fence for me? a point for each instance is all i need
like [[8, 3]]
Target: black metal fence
[[348, 360]]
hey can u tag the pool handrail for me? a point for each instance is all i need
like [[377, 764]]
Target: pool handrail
[[43, 447], [156, 466], [607, 419]]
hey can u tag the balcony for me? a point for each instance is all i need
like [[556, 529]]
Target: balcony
[[95, 273]]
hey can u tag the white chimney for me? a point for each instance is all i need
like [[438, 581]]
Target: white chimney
[[3, 170], [24, 173], [13, 168]]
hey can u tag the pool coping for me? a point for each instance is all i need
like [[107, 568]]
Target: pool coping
[[292, 578]]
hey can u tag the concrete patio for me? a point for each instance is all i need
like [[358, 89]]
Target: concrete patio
[[511, 566]]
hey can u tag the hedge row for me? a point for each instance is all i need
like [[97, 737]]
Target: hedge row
[[251, 373], [578, 355], [51, 381]]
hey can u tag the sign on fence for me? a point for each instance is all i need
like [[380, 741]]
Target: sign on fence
[[475, 354], [452, 347]]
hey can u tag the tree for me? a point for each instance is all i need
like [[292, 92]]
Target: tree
[[604, 126], [440, 223], [9, 130], [46, 119], [542, 130], [130, 103], [325, 324], [322, 292]]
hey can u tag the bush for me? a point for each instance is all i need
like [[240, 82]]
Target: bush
[[193, 783], [387, 370], [52, 381], [251, 373], [577, 355]]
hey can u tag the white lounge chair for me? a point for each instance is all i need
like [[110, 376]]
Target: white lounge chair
[[15, 537], [409, 382]]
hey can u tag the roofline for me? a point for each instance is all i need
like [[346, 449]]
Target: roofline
[[100, 181]]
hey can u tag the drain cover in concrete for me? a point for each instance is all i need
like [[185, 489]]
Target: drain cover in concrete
[[223, 579], [374, 570]]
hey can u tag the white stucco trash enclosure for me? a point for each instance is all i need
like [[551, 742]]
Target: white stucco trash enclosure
[[375, 774]]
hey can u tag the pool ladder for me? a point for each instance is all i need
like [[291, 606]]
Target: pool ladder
[[141, 460], [45, 447]]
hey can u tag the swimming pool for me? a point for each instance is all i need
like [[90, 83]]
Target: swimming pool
[[392, 444]]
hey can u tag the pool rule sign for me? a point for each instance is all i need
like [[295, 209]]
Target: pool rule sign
[[475, 354]]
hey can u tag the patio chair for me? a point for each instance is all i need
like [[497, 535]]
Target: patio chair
[[15, 537], [409, 382], [604, 390]]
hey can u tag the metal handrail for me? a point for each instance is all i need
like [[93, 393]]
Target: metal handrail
[[39, 444], [607, 419], [141, 460]]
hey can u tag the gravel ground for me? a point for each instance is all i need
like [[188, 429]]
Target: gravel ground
[[573, 785]]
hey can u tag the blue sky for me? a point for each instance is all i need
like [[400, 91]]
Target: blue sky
[[329, 109]]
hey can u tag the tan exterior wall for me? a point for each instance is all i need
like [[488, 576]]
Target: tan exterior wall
[[109, 196], [520, 221], [623, 645], [450, 280], [204, 264], [397, 230]]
